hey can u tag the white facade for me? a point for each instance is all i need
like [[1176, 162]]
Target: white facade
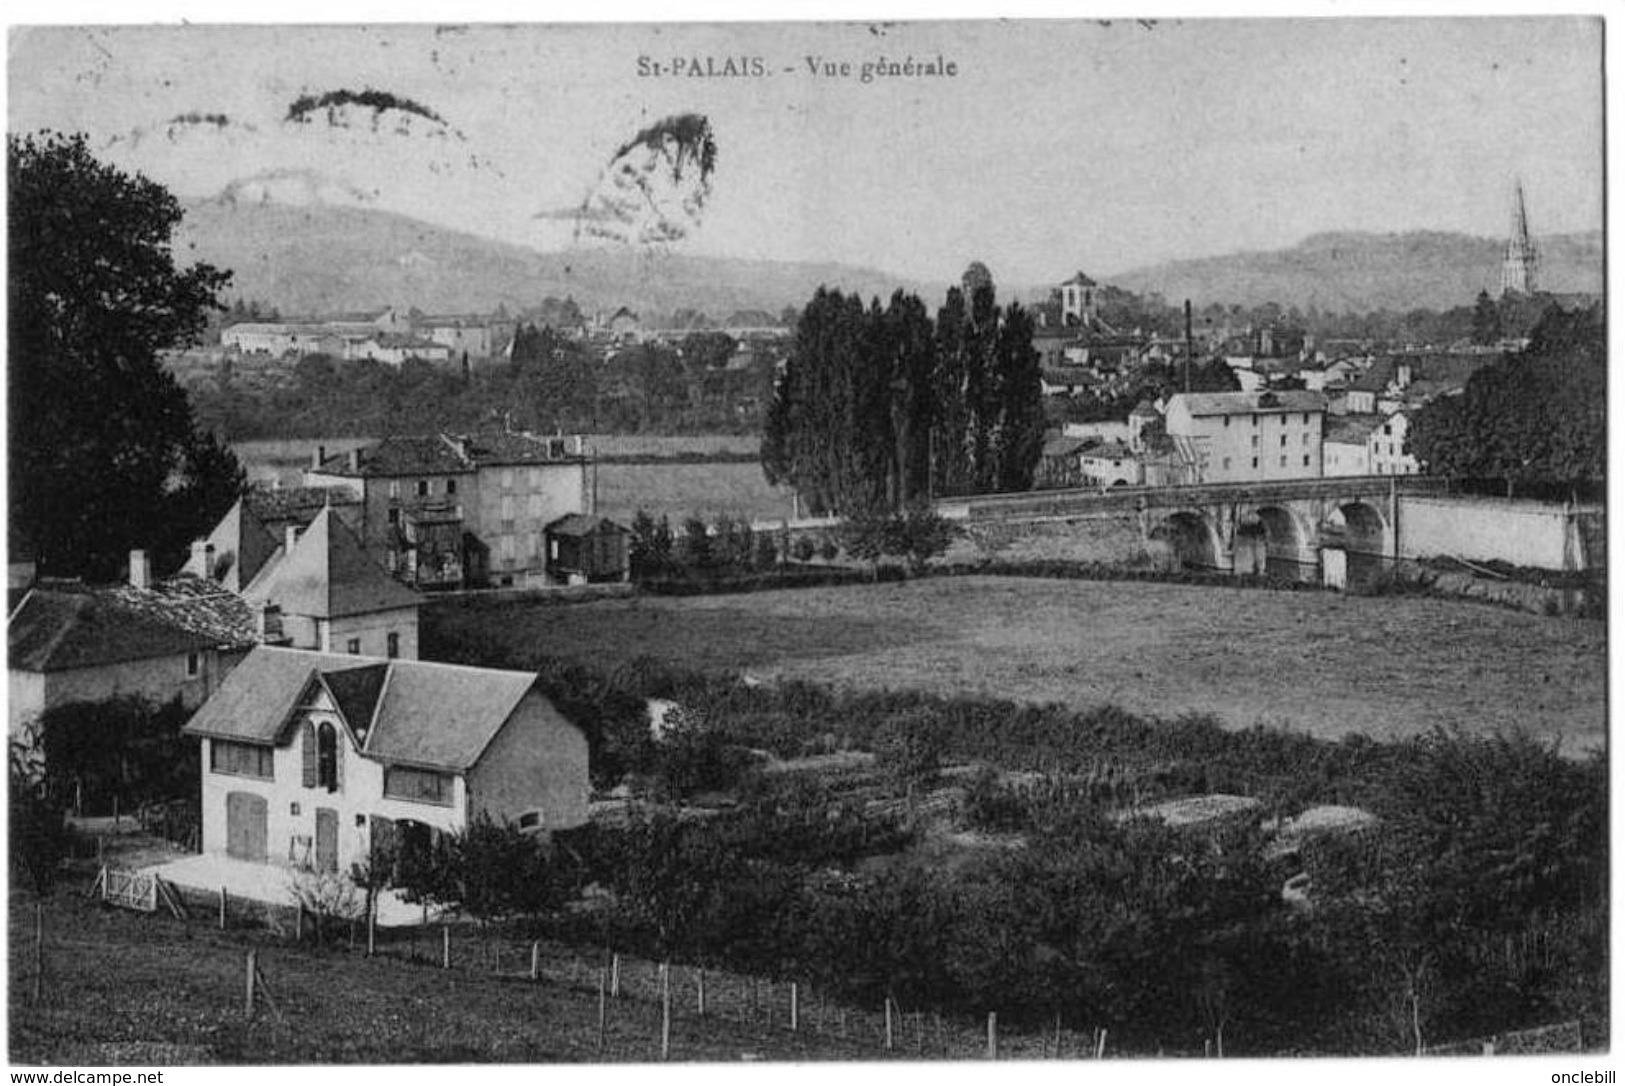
[[1387, 451], [1241, 437]]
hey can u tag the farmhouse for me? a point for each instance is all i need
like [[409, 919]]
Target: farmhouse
[[156, 640], [449, 510], [326, 761], [320, 590]]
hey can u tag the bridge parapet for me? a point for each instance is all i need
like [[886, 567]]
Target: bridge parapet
[[1037, 505]]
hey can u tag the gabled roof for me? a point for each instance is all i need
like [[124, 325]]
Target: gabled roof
[[438, 716], [300, 503], [1247, 403], [447, 454], [242, 546], [580, 524], [1376, 378], [1350, 429], [60, 626], [1080, 280], [328, 575]]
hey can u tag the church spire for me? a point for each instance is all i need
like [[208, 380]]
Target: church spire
[[1518, 269]]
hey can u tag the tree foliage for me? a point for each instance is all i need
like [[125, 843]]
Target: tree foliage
[[104, 454], [1535, 420], [880, 408]]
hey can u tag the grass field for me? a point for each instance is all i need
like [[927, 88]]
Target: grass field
[[127, 988], [679, 490], [1322, 663]]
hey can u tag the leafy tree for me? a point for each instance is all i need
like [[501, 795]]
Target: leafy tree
[[490, 870], [1486, 320], [100, 432], [38, 834], [1533, 420]]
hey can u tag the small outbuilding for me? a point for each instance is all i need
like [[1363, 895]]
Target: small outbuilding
[[587, 549]]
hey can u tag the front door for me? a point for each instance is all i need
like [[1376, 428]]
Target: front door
[[327, 839], [245, 826]]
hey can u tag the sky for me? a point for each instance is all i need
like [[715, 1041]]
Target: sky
[[1057, 145]]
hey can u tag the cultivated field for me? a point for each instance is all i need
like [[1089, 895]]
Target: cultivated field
[[1318, 662]]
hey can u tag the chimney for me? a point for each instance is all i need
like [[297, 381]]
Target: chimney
[[355, 459], [317, 456], [140, 570], [290, 536]]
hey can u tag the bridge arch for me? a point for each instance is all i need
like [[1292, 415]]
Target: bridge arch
[[1274, 539], [1364, 528], [1192, 536]]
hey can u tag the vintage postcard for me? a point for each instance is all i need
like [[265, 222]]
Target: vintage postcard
[[1041, 539]]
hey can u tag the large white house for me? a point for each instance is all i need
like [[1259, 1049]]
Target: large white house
[[324, 761], [1248, 436]]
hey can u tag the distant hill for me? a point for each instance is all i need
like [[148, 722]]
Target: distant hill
[[1350, 271], [320, 258]]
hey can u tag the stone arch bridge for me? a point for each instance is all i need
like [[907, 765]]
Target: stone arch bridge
[[1238, 527]]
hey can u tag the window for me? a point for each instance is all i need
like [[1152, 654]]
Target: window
[[1283, 441], [1387, 428], [532, 821], [423, 488], [1227, 421], [240, 759], [1305, 439], [1254, 418], [1305, 459], [1255, 441], [507, 507], [507, 478], [194, 665], [418, 785], [451, 486], [393, 641], [353, 646], [394, 488], [1255, 461], [320, 743], [506, 550], [1306, 418], [1227, 463], [394, 516], [1283, 461]]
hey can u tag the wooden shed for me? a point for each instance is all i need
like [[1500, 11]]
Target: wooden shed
[[584, 549]]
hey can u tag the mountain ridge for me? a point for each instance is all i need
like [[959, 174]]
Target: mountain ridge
[[320, 258]]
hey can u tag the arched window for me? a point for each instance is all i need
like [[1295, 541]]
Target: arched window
[[327, 757]]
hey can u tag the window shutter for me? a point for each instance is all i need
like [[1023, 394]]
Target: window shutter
[[309, 745]]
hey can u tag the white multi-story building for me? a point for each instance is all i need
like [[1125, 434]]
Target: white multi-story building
[[1248, 436]]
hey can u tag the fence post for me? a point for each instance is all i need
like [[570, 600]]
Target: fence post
[[222, 908], [795, 1008], [615, 976], [248, 985], [888, 1024], [603, 1007], [372, 924], [535, 961], [665, 1011], [445, 946], [992, 1035], [702, 991], [1100, 1048], [39, 950]]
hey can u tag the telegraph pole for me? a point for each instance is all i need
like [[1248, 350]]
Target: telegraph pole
[[1189, 354]]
